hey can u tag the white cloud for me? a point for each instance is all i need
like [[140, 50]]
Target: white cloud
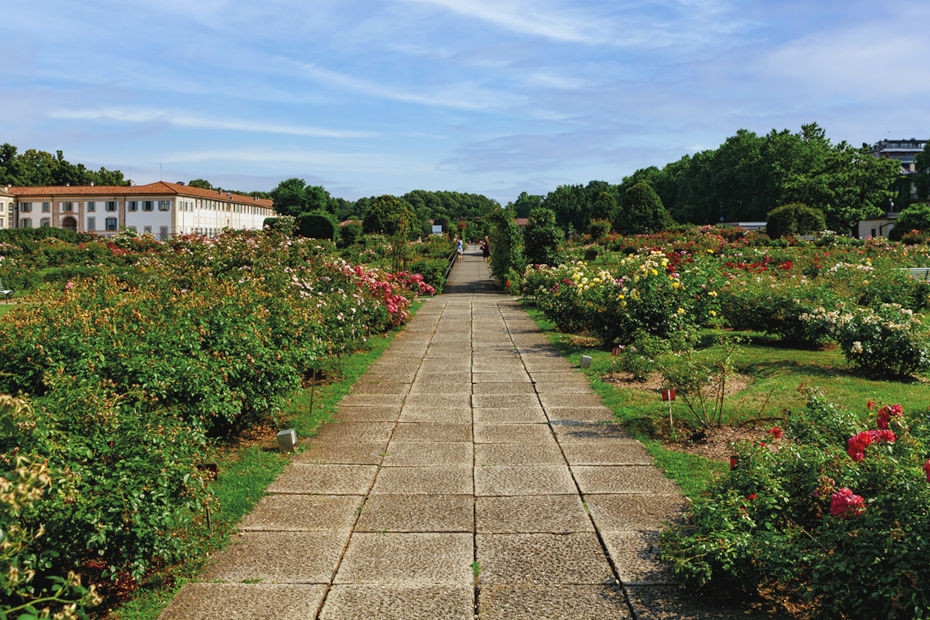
[[181, 119]]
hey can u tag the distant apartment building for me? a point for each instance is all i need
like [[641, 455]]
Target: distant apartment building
[[7, 210], [161, 209], [905, 153]]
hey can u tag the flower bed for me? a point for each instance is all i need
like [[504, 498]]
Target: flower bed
[[125, 379]]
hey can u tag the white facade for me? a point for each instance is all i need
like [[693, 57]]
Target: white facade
[[162, 210], [7, 210]]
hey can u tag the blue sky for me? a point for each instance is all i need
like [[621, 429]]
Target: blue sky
[[486, 96]]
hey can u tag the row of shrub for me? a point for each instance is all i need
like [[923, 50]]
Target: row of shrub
[[124, 379], [830, 513]]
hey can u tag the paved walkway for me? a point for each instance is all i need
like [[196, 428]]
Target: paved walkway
[[470, 472]]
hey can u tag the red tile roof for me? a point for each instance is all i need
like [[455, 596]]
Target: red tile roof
[[159, 188]]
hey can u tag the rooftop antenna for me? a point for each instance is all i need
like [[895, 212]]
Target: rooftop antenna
[[161, 172]]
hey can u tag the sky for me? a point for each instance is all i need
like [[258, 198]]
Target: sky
[[486, 96]]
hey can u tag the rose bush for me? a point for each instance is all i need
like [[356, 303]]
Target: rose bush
[[801, 516]]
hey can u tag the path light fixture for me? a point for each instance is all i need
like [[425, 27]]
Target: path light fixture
[[287, 440], [586, 361]]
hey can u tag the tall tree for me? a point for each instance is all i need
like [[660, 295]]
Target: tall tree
[[290, 197]]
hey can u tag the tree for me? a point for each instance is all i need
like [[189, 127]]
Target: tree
[[201, 183], [542, 237], [506, 253], [388, 215], [290, 197], [316, 198], [604, 206], [526, 203], [922, 173], [915, 217], [794, 219], [641, 212]]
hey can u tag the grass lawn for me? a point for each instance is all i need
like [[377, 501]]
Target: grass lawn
[[775, 375], [4, 308], [245, 472]]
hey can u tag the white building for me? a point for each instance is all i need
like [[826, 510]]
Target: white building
[[7, 209], [160, 209]]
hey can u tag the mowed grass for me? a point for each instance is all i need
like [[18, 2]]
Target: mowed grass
[[777, 379], [4, 308], [244, 474]]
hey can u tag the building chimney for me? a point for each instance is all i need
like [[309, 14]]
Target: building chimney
[[91, 183], [67, 185]]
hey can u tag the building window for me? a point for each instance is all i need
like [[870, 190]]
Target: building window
[[66, 207], [25, 223], [163, 233], [91, 223], [45, 222], [2, 223], [25, 207], [133, 205], [112, 223], [91, 205], [147, 205], [111, 205], [164, 205], [46, 207]]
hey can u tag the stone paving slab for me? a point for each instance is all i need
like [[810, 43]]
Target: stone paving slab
[[278, 557], [325, 513], [497, 377], [433, 480], [408, 453], [382, 387], [631, 453], [348, 453], [542, 559], [570, 400], [508, 415], [408, 602], [568, 431], [439, 386], [505, 400], [209, 601], [622, 479], [581, 414], [363, 432], [388, 413], [634, 511], [513, 433], [431, 432], [498, 602], [371, 400], [674, 603], [327, 479], [454, 415], [636, 556], [504, 388], [510, 453], [412, 559], [545, 376], [523, 480], [529, 514], [417, 513]]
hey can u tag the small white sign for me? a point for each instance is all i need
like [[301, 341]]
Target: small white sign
[[437, 229]]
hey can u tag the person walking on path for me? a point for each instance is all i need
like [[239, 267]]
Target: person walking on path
[[460, 249]]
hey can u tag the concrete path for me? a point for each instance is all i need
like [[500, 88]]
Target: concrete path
[[471, 472]]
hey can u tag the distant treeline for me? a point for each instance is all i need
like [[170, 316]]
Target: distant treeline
[[743, 180], [33, 167]]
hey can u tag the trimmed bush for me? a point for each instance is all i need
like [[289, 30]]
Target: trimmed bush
[[641, 211], [915, 217], [349, 234], [794, 219], [541, 238], [317, 225]]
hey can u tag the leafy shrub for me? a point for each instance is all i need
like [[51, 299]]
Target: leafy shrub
[[815, 518], [506, 247], [884, 340], [794, 219], [591, 254], [774, 306], [599, 228], [914, 217], [641, 211], [349, 234], [433, 271], [283, 224], [541, 238], [388, 215], [317, 225]]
